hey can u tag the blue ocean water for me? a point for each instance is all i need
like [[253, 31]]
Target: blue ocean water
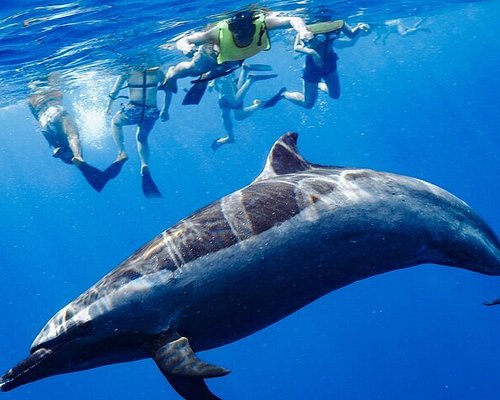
[[424, 105]]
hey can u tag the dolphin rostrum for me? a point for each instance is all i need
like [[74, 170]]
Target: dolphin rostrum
[[296, 233]]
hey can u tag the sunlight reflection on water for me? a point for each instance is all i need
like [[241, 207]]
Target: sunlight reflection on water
[[89, 107]]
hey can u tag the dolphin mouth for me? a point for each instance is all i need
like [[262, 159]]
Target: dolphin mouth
[[24, 372]]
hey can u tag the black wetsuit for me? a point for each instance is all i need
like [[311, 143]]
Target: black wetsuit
[[314, 74]]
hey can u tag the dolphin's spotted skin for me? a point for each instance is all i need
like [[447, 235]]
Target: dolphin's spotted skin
[[297, 232]]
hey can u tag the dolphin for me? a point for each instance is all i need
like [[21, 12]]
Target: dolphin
[[297, 232]]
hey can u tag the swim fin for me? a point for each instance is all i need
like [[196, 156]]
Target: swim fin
[[218, 72], [94, 176], [256, 77], [114, 169], [274, 100], [257, 67], [492, 303], [195, 93], [149, 188], [220, 141]]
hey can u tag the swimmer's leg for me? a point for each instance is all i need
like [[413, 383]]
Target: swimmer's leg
[[70, 129], [117, 124], [227, 121], [244, 113], [332, 83], [307, 99], [142, 144]]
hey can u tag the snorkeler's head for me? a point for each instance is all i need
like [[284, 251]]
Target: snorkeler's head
[[242, 26], [320, 14]]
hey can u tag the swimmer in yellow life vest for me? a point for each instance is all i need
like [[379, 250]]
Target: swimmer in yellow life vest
[[227, 44]]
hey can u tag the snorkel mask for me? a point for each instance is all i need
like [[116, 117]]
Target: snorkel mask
[[242, 26]]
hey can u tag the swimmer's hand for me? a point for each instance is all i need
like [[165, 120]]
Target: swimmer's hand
[[168, 46], [188, 49], [305, 35], [365, 28]]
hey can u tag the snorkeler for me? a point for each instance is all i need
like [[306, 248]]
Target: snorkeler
[[225, 46], [141, 110], [232, 92], [398, 26], [59, 128], [320, 70]]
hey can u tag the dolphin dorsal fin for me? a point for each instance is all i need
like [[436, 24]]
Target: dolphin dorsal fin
[[284, 158]]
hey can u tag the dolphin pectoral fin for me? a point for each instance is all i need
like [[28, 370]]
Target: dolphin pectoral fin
[[184, 371], [177, 358]]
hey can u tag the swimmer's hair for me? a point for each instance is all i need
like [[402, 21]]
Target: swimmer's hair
[[320, 14]]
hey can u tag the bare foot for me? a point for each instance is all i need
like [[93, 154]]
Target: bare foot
[[77, 160], [121, 158], [323, 87], [144, 170]]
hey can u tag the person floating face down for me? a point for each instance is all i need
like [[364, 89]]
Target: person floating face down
[[141, 110], [227, 44], [59, 128], [320, 70]]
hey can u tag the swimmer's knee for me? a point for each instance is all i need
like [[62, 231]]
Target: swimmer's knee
[[142, 137], [116, 119]]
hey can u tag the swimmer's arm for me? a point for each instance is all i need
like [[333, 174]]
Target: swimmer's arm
[[116, 89], [187, 44], [297, 23], [166, 104], [300, 47], [351, 33]]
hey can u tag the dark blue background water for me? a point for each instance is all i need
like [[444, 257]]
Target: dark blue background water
[[424, 105]]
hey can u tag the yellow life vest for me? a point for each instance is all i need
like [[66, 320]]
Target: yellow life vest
[[229, 51], [326, 27]]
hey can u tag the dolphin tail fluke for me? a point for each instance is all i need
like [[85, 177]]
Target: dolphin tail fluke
[[185, 371]]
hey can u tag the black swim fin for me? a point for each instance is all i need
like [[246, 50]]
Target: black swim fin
[[218, 72], [220, 141], [195, 93], [94, 176], [257, 67], [492, 303], [114, 169], [274, 100], [149, 188], [261, 77]]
